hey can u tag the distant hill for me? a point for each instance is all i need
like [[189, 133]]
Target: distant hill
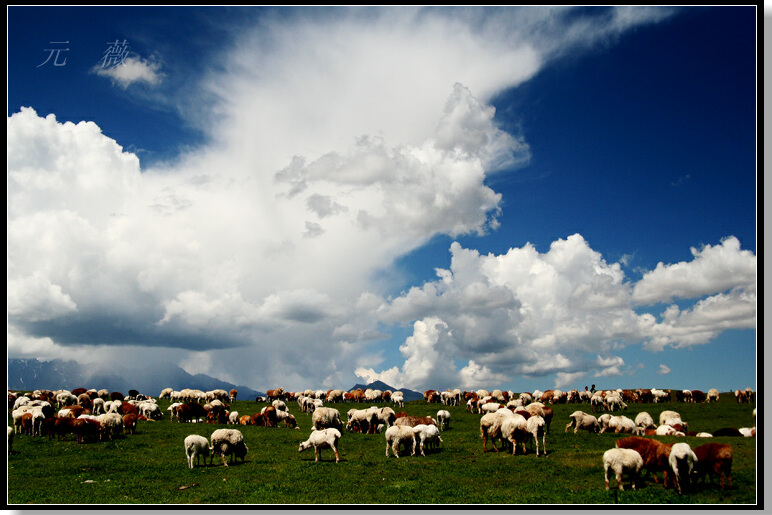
[[410, 395], [31, 374]]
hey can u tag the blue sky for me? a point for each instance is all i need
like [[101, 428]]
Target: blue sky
[[508, 198]]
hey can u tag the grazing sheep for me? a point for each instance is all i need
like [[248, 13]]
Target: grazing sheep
[[714, 458], [111, 424], [233, 417], [490, 427], [644, 420], [582, 420], [682, 460], [228, 442], [427, 434], [412, 421], [622, 461], [398, 435], [443, 418], [655, 454], [398, 398], [195, 447], [667, 415], [363, 420], [326, 417], [621, 424], [514, 429], [322, 439], [537, 427], [712, 395]]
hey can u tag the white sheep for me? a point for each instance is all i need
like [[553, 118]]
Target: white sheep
[[704, 435], [667, 430], [363, 418], [324, 417], [228, 442], [622, 461], [668, 414], [712, 395], [514, 429], [621, 424], [398, 398], [682, 460], [322, 439], [428, 435], [166, 393], [233, 418], [489, 407], [443, 419], [195, 447], [111, 424], [396, 436], [536, 426], [644, 420], [582, 420]]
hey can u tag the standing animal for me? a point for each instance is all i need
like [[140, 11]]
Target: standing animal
[[621, 461], [443, 418], [195, 447], [228, 442], [582, 420], [428, 435], [682, 460], [322, 439], [714, 458], [398, 435], [655, 454], [324, 417]]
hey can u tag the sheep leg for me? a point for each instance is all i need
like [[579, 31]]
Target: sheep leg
[[222, 455], [335, 450], [387, 449], [619, 481], [606, 476], [316, 454]]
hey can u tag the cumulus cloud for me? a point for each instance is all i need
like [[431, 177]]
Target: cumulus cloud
[[714, 269], [663, 369], [132, 70], [269, 240]]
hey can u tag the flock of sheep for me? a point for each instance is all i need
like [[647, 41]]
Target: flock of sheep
[[506, 417]]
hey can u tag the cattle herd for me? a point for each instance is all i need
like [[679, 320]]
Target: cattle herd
[[506, 418]]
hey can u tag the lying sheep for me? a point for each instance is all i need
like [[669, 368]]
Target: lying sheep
[[582, 420], [682, 460], [228, 442], [322, 439], [622, 461], [195, 447], [427, 435], [398, 435]]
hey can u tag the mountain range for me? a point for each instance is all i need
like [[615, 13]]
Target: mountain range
[[31, 374]]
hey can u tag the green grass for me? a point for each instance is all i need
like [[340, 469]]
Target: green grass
[[150, 466]]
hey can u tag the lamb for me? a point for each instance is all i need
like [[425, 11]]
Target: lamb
[[682, 460], [427, 434], [398, 435], [622, 461], [228, 441], [443, 418], [714, 458], [195, 447], [582, 420], [322, 439], [326, 417]]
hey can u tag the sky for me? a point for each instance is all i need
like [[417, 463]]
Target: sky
[[515, 198]]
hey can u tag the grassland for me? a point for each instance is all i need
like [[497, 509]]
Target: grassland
[[150, 466]]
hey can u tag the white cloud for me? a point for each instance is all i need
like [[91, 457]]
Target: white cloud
[[714, 269], [663, 369], [132, 70], [269, 240]]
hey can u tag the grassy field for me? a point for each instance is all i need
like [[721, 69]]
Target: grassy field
[[150, 467]]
